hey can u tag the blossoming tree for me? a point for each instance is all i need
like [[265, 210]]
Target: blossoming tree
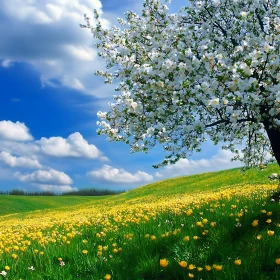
[[211, 71]]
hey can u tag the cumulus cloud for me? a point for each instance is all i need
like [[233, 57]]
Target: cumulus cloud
[[14, 131], [14, 161], [220, 161], [55, 188], [109, 174], [45, 177], [73, 146], [61, 51]]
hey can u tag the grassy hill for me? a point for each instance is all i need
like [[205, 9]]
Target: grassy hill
[[222, 225], [174, 186]]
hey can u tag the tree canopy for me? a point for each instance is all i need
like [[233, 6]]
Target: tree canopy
[[210, 71]]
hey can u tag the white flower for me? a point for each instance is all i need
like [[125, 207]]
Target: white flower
[[62, 263], [3, 273], [31, 268]]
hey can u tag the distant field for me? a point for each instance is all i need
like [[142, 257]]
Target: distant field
[[10, 204], [186, 184]]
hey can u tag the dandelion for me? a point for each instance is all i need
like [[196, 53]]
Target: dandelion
[[255, 223], [153, 237], [268, 221], [270, 232], [7, 268], [213, 224], [59, 259], [14, 256], [237, 262], [195, 237], [269, 213], [107, 277], [85, 252], [277, 261], [191, 275], [186, 238], [208, 267], [259, 237], [163, 262], [218, 267], [191, 267], [183, 263], [199, 268]]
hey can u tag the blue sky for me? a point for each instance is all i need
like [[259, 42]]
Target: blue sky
[[50, 97]]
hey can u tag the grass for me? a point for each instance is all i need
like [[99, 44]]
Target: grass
[[220, 225]]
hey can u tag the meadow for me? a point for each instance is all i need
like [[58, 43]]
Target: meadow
[[220, 225]]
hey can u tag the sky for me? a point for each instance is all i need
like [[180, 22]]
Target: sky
[[50, 98]]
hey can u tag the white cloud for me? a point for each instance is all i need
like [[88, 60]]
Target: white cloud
[[14, 131], [220, 161], [61, 51], [14, 161], [55, 188], [109, 174], [74, 146], [46, 177]]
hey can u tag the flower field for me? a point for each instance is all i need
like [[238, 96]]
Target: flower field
[[231, 232]]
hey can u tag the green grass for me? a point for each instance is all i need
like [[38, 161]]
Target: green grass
[[204, 220], [12, 204]]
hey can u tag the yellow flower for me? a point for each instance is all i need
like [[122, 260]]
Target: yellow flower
[[107, 277], [191, 267], [270, 232], [255, 223], [14, 256], [153, 237], [277, 261], [195, 237], [115, 251], [268, 221], [269, 213], [237, 262], [36, 251], [199, 268], [163, 262], [7, 268], [199, 224], [59, 259], [189, 212], [205, 221], [183, 263], [147, 235], [208, 267], [213, 224], [259, 237], [186, 238], [218, 267], [85, 251], [41, 253], [191, 275]]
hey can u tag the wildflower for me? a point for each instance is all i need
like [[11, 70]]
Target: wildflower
[[59, 259], [14, 256], [85, 241], [147, 235], [208, 267], [189, 212], [85, 251], [199, 268], [195, 237], [270, 232], [41, 253], [255, 223], [205, 221], [31, 268], [163, 262], [213, 224], [191, 267], [191, 275], [277, 261], [36, 251], [7, 268], [115, 251], [153, 237], [268, 221], [218, 267], [259, 237], [107, 277], [199, 224], [62, 263], [186, 238], [3, 273], [269, 213], [237, 262], [183, 263]]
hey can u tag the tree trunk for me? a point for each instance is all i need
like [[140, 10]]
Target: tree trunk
[[274, 137]]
